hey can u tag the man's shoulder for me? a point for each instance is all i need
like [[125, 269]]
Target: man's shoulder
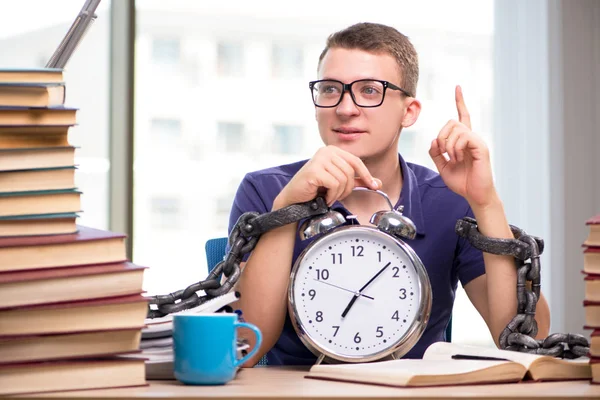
[[259, 188], [282, 171]]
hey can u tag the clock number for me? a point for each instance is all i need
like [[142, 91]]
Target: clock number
[[402, 294], [323, 274], [337, 328], [357, 251], [319, 317], [379, 255], [379, 331], [396, 270], [312, 293], [339, 257], [357, 338], [396, 316]]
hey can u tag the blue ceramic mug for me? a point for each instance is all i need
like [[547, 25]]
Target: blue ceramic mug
[[205, 347]]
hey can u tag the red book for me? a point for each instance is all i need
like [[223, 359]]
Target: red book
[[87, 246], [592, 314], [593, 238], [595, 343], [71, 345], [77, 316], [591, 260], [595, 364], [595, 220], [592, 287], [57, 285], [71, 375]]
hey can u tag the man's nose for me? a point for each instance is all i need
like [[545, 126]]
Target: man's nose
[[347, 105]]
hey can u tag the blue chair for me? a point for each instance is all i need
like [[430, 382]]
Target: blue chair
[[215, 251]]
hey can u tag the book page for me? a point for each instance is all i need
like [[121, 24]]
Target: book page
[[426, 372], [445, 351]]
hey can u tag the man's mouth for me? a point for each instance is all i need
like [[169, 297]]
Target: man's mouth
[[347, 131]]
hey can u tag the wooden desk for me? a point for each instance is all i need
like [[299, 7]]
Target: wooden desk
[[289, 383]]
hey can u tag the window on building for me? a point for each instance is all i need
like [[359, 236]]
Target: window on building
[[166, 212], [287, 61], [287, 139], [230, 136], [165, 128], [166, 50], [230, 58]]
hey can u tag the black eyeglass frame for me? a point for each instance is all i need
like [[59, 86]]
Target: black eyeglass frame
[[347, 87]]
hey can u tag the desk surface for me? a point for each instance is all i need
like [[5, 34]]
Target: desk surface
[[289, 383]]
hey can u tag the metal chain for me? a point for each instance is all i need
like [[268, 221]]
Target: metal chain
[[519, 334], [242, 239]]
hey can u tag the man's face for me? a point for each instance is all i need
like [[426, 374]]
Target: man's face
[[364, 132]]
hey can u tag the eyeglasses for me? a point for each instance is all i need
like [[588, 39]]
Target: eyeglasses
[[328, 93]]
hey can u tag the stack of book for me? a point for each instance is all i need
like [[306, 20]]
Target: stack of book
[[591, 270], [71, 301]]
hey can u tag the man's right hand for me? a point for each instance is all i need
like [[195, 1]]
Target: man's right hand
[[331, 170]]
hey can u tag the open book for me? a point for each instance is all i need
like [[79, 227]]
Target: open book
[[452, 364]]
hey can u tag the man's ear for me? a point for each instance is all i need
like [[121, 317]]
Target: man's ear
[[413, 109]]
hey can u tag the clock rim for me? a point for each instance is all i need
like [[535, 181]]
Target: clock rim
[[396, 349]]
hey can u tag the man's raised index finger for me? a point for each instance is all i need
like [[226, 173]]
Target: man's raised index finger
[[463, 114]]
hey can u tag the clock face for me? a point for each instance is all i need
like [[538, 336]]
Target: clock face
[[357, 293]]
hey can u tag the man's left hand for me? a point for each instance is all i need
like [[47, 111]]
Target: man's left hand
[[467, 170]]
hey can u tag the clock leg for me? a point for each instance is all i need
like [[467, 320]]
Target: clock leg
[[320, 359]]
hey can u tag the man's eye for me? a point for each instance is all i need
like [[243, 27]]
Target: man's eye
[[370, 90], [328, 89]]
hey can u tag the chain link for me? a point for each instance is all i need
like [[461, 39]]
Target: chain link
[[520, 332], [242, 239]]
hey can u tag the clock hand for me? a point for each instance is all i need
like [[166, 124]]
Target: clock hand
[[374, 277], [349, 305], [359, 293], [347, 290]]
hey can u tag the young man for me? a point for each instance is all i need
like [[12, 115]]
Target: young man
[[363, 99]]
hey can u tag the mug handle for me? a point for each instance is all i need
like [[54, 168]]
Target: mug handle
[[258, 335]]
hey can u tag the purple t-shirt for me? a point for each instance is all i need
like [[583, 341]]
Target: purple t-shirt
[[427, 202]]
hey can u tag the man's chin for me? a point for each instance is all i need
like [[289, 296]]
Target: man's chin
[[355, 149]]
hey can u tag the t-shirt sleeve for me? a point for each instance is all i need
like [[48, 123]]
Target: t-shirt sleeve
[[468, 262], [247, 198]]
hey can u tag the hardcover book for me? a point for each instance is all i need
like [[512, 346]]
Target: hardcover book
[[87, 246]]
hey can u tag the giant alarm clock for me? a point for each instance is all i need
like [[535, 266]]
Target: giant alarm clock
[[359, 293]]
